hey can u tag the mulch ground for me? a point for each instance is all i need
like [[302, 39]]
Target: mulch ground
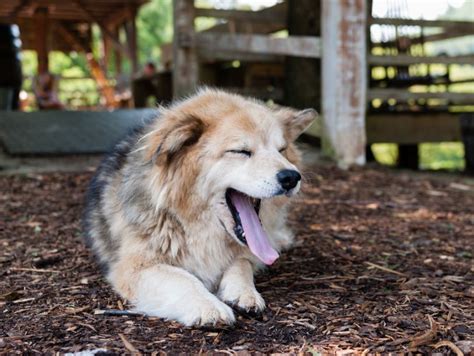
[[383, 262]]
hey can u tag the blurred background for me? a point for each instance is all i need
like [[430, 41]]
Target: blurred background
[[100, 55]]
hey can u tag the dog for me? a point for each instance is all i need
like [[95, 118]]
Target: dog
[[185, 209]]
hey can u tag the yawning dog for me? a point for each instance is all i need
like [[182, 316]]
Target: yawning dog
[[186, 208]]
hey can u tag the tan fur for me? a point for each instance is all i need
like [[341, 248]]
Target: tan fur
[[160, 224]]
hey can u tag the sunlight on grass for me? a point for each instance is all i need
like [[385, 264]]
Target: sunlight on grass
[[433, 156], [385, 153], [444, 155]]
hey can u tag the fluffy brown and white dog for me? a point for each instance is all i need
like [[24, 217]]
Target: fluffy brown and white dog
[[186, 208]]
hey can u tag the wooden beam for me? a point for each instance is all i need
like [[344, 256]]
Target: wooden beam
[[405, 95], [344, 80], [131, 32], [117, 18], [94, 66], [465, 25], [298, 46], [18, 8], [274, 17], [117, 55], [404, 59], [413, 128], [185, 61], [215, 56], [91, 17], [41, 38]]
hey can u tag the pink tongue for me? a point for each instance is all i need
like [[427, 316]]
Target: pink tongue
[[256, 237]]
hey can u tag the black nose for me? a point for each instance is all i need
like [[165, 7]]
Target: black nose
[[288, 178]]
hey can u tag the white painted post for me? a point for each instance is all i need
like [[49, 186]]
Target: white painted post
[[185, 61], [344, 77]]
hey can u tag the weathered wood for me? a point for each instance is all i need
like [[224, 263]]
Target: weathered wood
[[413, 128], [404, 95], [216, 56], [344, 80], [405, 59], [41, 38], [299, 46], [274, 17], [303, 75], [460, 25], [185, 61]]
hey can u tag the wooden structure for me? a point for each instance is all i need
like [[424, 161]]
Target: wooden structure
[[350, 121], [47, 25]]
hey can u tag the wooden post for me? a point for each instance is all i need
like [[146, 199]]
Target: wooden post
[[41, 38], [117, 55], [185, 61], [131, 31], [107, 51], [344, 75]]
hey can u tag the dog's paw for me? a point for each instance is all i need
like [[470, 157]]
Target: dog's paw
[[208, 312], [248, 300]]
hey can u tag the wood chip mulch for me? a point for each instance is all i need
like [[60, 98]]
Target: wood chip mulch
[[383, 263]]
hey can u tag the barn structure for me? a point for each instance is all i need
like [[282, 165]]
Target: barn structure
[[301, 53], [327, 61]]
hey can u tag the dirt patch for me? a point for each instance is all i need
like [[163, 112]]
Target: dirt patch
[[383, 262]]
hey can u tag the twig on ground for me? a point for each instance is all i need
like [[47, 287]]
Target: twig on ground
[[427, 336], [128, 345], [385, 269], [116, 312], [449, 344]]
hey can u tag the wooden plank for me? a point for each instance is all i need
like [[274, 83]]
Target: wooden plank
[[41, 38], [298, 46], [242, 15], [344, 80], [215, 56], [186, 69], [413, 128], [466, 25], [404, 59], [404, 95]]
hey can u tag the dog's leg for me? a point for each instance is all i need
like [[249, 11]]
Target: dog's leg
[[173, 293], [237, 287]]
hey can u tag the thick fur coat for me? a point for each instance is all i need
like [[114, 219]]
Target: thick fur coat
[[171, 212]]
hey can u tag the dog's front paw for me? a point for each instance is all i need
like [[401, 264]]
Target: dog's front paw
[[247, 299], [207, 312]]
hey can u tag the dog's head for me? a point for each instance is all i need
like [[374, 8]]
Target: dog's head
[[226, 154]]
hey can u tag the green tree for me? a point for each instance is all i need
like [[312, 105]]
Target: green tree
[[154, 28]]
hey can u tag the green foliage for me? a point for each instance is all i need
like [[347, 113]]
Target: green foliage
[[444, 155], [154, 28]]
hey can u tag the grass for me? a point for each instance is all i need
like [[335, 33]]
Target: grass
[[433, 156]]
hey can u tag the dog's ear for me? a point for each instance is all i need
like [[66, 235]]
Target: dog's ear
[[173, 137], [296, 122]]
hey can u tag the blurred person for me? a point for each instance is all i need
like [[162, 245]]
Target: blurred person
[[46, 93]]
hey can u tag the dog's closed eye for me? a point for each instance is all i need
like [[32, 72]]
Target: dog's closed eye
[[283, 149], [240, 152]]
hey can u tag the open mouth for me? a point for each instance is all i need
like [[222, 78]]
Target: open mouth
[[247, 225]]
